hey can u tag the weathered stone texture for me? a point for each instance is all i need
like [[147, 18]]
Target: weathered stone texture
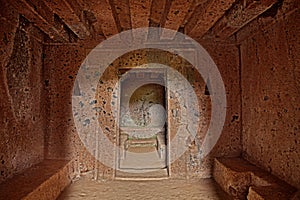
[[62, 63], [175, 17], [104, 20], [22, 110], [242, 180], [201, 22], [43, 181], [226, 59], [240, 15], [140, 13], [271, 97]]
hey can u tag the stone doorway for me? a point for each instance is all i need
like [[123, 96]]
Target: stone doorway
[[142, 137]]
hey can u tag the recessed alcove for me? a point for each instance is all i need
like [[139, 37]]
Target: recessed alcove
[[143, 121]]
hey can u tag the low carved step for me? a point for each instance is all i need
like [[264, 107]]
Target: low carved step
[[141, 143]]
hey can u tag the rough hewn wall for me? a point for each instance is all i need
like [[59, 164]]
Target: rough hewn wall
[[227, 60], [270, 57], [63, 61], [21, 94], [61, 64], [61, 140]]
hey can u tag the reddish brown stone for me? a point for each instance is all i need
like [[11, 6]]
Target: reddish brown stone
[[270, 96], [45, 180], [43, 44], [242, 180]]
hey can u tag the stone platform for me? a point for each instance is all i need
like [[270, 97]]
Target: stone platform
[[44, 181], [242, 180]]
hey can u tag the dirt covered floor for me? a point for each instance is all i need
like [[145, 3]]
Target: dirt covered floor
[[85, 188]]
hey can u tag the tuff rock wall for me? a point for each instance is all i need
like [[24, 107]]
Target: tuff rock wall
[[22, 92], [270, 75]]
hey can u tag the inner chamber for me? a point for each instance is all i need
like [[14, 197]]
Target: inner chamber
[[142, 120]]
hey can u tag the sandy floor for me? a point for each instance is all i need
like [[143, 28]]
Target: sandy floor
[[133, 190], [137, 159]]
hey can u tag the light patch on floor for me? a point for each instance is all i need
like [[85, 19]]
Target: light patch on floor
[[205, 189], [143, 158]]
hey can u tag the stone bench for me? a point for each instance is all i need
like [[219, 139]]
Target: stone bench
[[44, 181], [242, 180]]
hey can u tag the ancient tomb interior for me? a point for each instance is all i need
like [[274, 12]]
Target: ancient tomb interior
[[150, 99]]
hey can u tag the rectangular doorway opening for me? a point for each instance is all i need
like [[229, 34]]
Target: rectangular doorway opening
[[142, 131]]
